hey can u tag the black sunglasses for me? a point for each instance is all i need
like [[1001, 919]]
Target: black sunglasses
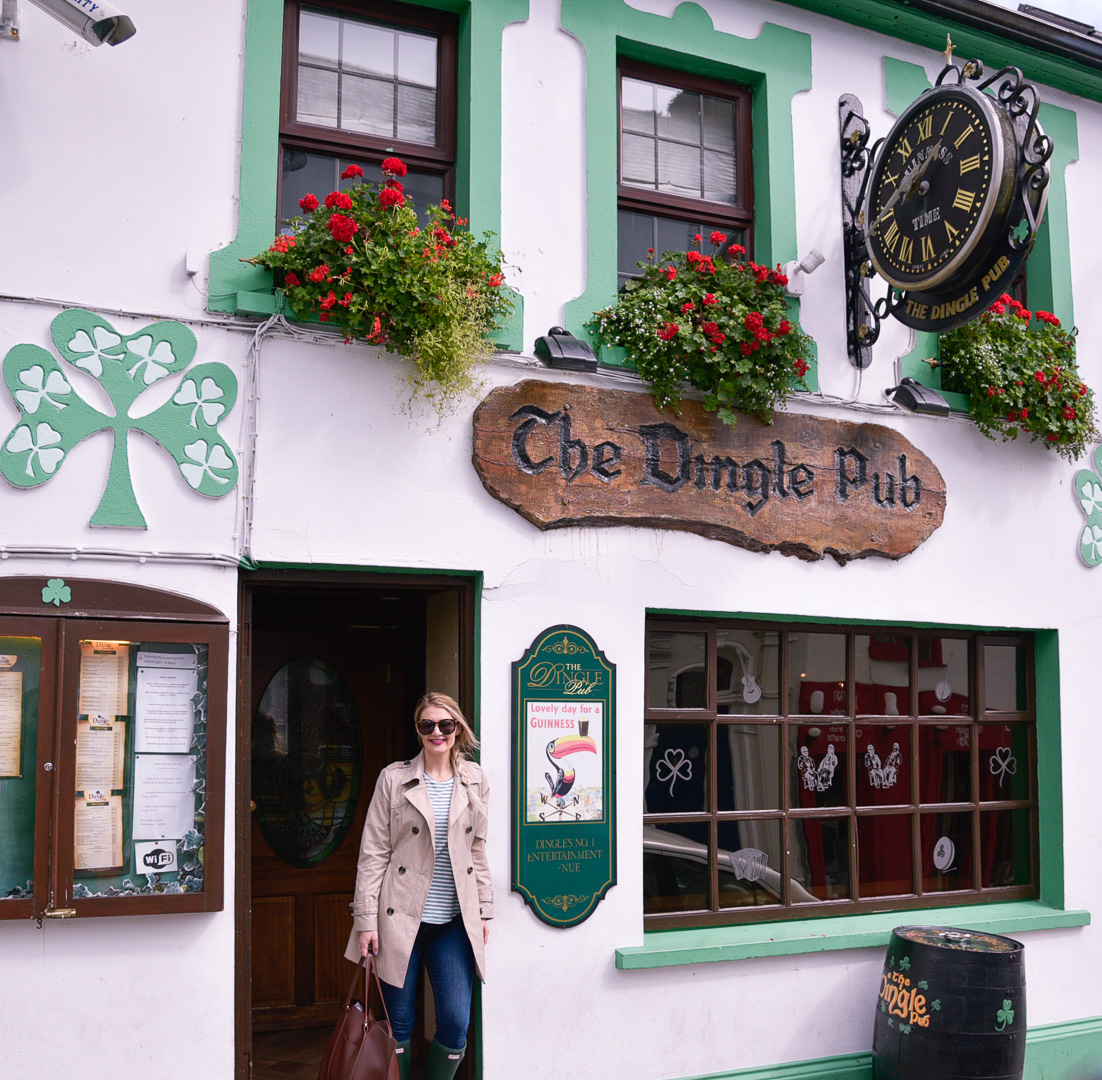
[[425, 726]]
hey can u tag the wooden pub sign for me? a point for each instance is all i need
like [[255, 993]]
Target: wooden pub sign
[[564, 804], [561, 454]]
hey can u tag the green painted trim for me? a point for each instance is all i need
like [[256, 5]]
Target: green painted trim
[[1048, 269], [1050, 811], [835, 620], [777, 65], [901, 21], [705, 945], [358, 568], [239, 288], [1068, 1050]]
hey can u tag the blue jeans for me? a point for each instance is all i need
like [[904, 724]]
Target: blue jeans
[[450, 964]]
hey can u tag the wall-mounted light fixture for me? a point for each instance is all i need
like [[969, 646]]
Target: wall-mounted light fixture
[[918, 398], [795, 271], [9, 20], [561, 349]]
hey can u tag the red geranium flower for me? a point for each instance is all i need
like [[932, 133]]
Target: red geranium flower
[[669, 331], [495, 280], [308, 203], [718, 238], [343, 228], [391, 197], [319, 273], [292, 280], [328, 302], [801, 367], [710, 299], [394, 166], [352, 170], [670, 272], [337, 200], [687, 307]]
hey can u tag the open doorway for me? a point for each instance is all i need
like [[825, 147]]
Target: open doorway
[[332, 665]]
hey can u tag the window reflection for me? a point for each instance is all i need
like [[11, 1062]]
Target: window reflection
[[943, 666], [818, 764], [676, 676], [820, 859], [676, 768], [817, 674], [1004, 678], [946, 762], [747, 672], [748, 760], [1004, 762], [883, 764], [676, 873], [946, 852], [884, 855], [883, 673], [1004, 848], [749, 858]]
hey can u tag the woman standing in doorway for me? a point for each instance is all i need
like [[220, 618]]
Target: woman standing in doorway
[[423, 887]]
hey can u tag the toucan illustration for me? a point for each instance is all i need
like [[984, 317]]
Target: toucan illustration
[[561, 747]]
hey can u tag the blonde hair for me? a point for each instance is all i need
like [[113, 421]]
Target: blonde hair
[[465, 742]]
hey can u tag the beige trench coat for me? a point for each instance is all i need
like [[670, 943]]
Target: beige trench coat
[[396, 859]]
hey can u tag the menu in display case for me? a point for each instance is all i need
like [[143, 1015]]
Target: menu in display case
[[104, 678], [97, 832], [101, 749], [164, 704], [11, 715]]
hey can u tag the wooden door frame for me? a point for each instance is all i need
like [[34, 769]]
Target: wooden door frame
[[468, 587]]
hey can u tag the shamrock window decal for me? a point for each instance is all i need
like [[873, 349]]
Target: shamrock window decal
[[186, 425], [1088, 493]]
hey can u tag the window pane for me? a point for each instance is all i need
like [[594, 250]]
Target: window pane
[[676, 875], [883, 663], [417, 59], [318, 39], [820, 859], [1004, 847], [750, 857], [946, 852], [1004, 762], [719, 177], [884, 855], [817, 674], [634, 235], [20, 673], [747, 672], [367, 106], [141, 768], [368, 49], [748, 765], [675, 670], [416, 114], [679, 170], [317, 97], [883, 764], [818, 758], [719, 123], [943, 665], [636, 106], [945, 763], [1004, 678], [676, 770], [637, 161], [677, 114]]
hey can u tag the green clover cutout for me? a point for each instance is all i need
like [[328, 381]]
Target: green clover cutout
[[936, 1004], [923, 984], [55, 418], [1005, 1015], [56, 592], [904, 1029], [904, 963], [1088, 493]]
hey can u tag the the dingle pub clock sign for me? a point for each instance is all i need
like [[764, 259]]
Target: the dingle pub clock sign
[[564, 836]]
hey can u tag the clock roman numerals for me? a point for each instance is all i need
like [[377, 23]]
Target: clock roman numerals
[[927, 249], [964, 199], [925, 127], [969, 163], [904, 148], [906, 249], [960, 139], [951, 232]]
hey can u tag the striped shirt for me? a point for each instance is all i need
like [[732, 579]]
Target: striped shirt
[[442, 904]]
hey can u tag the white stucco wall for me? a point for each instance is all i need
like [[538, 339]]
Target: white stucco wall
[[113, 164]]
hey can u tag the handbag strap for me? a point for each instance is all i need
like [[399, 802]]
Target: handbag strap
[[371, 982]]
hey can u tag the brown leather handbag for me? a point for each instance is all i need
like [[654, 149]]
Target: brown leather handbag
[[361, 1047]]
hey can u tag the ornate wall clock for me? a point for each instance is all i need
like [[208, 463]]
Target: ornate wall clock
[[945, 208], [940, 189]]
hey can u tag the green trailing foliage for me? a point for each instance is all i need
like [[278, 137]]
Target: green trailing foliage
[[719, 326], [1018, 369], [360, 261]]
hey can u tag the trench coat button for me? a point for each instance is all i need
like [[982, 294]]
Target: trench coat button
[[401, 869], [390, 911], [416, 830], [470, 828], [470, 869], [405, 762]]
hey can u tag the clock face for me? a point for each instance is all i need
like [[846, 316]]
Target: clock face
[[939, 189]]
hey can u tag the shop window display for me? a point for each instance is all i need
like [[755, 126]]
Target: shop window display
[[832, 769]]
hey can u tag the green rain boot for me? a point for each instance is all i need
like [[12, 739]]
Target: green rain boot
[[404, 1058], [443, 1061]]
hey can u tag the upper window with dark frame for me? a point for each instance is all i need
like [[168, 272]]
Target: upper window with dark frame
[[795, 770], [362, 81], [685, 163]]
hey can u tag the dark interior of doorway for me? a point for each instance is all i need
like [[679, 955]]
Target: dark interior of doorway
[[375, 641]]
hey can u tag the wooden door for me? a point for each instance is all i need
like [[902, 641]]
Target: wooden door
[[331, 681]]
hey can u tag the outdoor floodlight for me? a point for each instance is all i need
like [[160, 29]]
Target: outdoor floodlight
[[93, 20], [561, 349], [918, 398]]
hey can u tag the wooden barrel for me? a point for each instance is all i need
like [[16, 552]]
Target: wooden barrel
[[951, 1006]]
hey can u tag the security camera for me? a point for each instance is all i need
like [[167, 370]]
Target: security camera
[[93, 20]]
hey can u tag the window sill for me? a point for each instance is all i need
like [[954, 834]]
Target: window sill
[[671, 948]]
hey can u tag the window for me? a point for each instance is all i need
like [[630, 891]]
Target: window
[[795, 770], [684, 163], [112, 728], [361, 82]]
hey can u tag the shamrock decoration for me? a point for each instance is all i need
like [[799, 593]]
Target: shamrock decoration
[[56, 592], [904, 963], [55, 418], [1005, 1015], [1088, 492]]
